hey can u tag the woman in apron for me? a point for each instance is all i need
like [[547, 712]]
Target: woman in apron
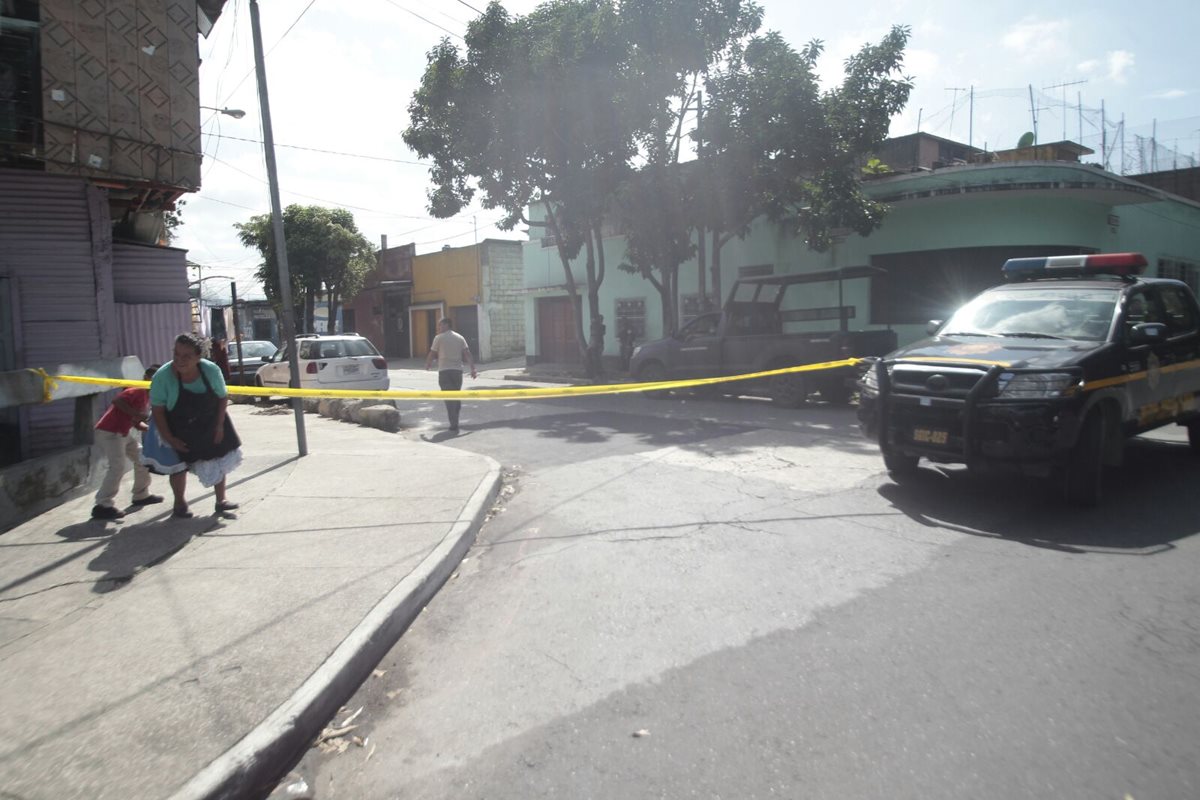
[[188, 400]]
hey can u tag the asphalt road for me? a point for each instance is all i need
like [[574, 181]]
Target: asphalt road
[[725, 599]]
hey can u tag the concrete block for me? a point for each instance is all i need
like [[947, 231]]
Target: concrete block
[[383, 416]]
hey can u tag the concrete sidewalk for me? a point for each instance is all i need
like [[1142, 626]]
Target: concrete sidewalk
[[158, 657]]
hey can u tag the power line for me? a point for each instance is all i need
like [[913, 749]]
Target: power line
[[320, 150], [473, 8], [431, 22], [233, 91]]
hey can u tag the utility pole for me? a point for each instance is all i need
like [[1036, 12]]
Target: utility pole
[[1033, 114], [237, 331], [285, 281], [971, 119], [953, 107], [701, 249], [1103, 138], [1063, 86], [1154, 147], [920, 111], [1122, 142]]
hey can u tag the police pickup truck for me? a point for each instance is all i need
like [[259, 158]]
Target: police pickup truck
[[1047, 374], [749, 336]]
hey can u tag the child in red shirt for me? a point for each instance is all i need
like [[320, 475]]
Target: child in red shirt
[[116, 440]]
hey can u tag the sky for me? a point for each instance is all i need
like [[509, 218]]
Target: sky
[[341, 74]]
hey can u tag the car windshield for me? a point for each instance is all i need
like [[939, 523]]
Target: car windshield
[[1057, 313], [253, 350]]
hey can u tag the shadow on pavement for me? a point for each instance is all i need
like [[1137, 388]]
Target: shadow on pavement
[[135, 548], [1149, 504], [694, 426]]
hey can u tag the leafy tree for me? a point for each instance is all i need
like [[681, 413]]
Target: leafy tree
[[675, 44], [538, 111], [773, 144], [325, 252]]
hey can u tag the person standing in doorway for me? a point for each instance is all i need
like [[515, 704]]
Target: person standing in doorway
[[452, 353]]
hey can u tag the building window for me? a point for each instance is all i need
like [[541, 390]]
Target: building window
[[631, 313], [20, 81], [693, 306], [1185, 271], [932, 284]]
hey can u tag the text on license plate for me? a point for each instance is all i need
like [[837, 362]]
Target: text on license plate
[[930, 436], [350, 369]]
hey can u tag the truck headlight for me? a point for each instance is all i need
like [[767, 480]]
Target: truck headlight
[[637, 350], [1035, 385]]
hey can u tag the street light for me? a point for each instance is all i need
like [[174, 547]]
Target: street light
[[236, 113]]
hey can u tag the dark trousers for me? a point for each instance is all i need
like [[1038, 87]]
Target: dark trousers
[[450, 380]]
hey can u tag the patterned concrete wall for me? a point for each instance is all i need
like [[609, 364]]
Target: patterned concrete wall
[[504, 297], [120, 89]]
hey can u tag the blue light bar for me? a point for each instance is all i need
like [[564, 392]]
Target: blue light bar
[[1123, 264]]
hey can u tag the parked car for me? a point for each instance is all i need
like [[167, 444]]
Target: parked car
[[253, 354], [344, 361], [1047, 374]]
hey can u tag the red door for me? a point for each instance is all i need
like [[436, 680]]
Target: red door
[[556, 331]]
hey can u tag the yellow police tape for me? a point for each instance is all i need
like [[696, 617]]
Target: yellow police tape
[[475, 394]]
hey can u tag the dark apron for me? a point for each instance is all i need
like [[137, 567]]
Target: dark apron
[[194, 420]]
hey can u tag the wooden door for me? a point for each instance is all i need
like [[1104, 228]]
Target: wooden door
[[556, 330]]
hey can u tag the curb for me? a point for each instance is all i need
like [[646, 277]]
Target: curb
[[252, 767]]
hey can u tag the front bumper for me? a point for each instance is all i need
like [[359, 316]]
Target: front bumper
[[1029, 436]]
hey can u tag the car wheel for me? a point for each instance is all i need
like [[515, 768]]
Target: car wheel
[[788, 391], [900, 465], [653, 372], [1084, 470]]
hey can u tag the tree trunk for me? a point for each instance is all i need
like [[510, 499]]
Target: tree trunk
[[333, 309], [717, 244], [595, 348], [310, 305], [701, 267], [572, 288]]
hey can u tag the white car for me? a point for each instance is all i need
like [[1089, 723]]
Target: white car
[[344, 361]]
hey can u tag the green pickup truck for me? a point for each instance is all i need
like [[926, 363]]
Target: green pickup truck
[[748, 335]]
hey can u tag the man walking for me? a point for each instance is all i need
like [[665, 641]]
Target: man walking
[[452, 352]]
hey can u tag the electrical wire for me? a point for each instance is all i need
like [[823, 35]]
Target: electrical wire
[[278, 41], [423, 19], [320, 150]]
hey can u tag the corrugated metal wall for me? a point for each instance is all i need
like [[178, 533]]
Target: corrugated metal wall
[[47, 251], [147, 274], [148, 330]]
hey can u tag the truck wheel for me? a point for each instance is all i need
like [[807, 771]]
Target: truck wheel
[[1084, 471], [900, 465], [788, 391], [653, 372], [835, 392], [1194, 437]]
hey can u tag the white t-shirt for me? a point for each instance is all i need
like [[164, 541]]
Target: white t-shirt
[[449, 347]]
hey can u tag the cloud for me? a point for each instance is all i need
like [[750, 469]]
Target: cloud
[[921, 63], [1120, 63], [1032, 35], [1169, 94], [1088, 67]]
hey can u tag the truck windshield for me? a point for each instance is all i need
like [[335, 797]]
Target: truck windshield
[[1059, 313]]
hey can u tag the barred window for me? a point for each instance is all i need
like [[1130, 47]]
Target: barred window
[[631, 313], [1185, 271]]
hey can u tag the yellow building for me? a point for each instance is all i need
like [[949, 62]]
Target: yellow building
[[479, 288]]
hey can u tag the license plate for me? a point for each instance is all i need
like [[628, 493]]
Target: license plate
[[930, 436], [350, 369]]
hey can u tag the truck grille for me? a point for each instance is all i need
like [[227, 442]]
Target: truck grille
[[936, 381]]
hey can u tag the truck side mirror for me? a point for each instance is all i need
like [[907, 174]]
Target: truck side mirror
[[1148, 333], [932, 326]]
